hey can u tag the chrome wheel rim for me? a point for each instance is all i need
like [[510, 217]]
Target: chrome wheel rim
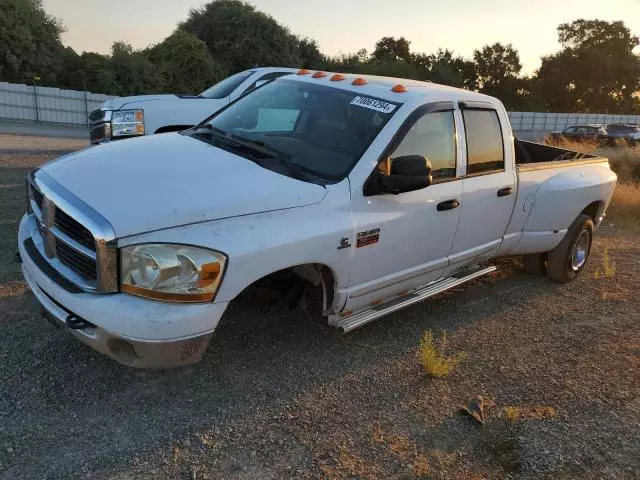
[[580, 251]]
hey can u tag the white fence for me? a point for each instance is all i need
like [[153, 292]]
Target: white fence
[[548, 122], [71, 107], [29, 103]]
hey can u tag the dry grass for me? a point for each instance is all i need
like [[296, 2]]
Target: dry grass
[[432, 356], [625, 160], [608, 267], [624, 210], [515, 413]]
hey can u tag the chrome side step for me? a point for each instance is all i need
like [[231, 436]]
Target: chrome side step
[[358, 319]]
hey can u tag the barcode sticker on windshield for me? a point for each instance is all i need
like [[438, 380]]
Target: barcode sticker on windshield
[[373, 104]]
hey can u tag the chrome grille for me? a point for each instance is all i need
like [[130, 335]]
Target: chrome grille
[[100, 126], [74, 230], [37, 197], [98, 116], [84, 266], [75, 239]]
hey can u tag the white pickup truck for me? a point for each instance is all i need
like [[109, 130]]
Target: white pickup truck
[[374, 193], [126, 117]]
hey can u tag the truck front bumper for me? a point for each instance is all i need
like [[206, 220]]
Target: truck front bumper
[[133, 353], [134, 331]]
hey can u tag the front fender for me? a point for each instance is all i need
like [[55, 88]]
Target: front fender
[[260, 244]]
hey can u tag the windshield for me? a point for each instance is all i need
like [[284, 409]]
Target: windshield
[[317, 129], [225, 87]]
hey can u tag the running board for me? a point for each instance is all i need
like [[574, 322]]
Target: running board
[[356, 320]]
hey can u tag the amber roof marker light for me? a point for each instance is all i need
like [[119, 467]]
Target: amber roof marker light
[[320, 75], [338, 77], [399, 89], [359, 81], [303, 71]]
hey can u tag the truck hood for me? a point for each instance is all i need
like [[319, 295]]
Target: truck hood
[[128, 102], [162, 181]]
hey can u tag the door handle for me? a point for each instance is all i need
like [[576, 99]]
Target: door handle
[[503, 192], [448, 205]]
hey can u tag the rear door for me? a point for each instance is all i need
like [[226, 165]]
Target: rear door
[[488, 186]]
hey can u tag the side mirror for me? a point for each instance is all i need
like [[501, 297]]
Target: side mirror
[[399, 175]]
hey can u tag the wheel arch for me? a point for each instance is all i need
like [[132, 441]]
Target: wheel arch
[[316, 274], [594, 210]]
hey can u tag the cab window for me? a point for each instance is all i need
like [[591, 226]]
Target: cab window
[[485, 152], [433, 136]]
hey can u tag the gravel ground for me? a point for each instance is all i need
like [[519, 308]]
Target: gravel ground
[[26, 145], [280, 395]]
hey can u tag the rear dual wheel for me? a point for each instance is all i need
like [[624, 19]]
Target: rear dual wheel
[[566, 261]]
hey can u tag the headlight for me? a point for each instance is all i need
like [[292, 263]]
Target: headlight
[[126, 123], [173, 273]]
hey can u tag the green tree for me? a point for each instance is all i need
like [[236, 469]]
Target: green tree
[[496, 65], [390, 68], [184, 63], [351, 62], [448, 69], [310, 56], [240, 37], [29, 42], [596, 70], [71, 74], [390, 49], [134, 74], [97, 73], [497, 69]]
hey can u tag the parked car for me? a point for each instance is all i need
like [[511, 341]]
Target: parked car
[[126, 117], [628, 132], [373, 193], [580, 133]]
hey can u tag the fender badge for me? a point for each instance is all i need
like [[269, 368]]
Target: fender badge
[[369, 237], [344, 243]]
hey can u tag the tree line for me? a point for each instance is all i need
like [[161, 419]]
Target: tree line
[[596, 69]]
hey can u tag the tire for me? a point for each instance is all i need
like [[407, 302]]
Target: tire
[[535, 264], [567, 260]]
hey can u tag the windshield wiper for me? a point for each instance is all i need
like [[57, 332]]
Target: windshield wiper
[[259, 147], [211, 128], [227, 140], [284, 159]]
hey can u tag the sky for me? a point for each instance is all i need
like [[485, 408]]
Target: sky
[[349, 25]]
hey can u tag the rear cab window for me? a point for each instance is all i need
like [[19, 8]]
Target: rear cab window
[[485, 146]]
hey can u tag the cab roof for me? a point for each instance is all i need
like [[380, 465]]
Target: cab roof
[[383, 87]]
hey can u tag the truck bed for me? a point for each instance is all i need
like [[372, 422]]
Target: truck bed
[[535, 156], [554, 186]]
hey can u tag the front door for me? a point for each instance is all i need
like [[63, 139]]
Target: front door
[[403, 241]]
